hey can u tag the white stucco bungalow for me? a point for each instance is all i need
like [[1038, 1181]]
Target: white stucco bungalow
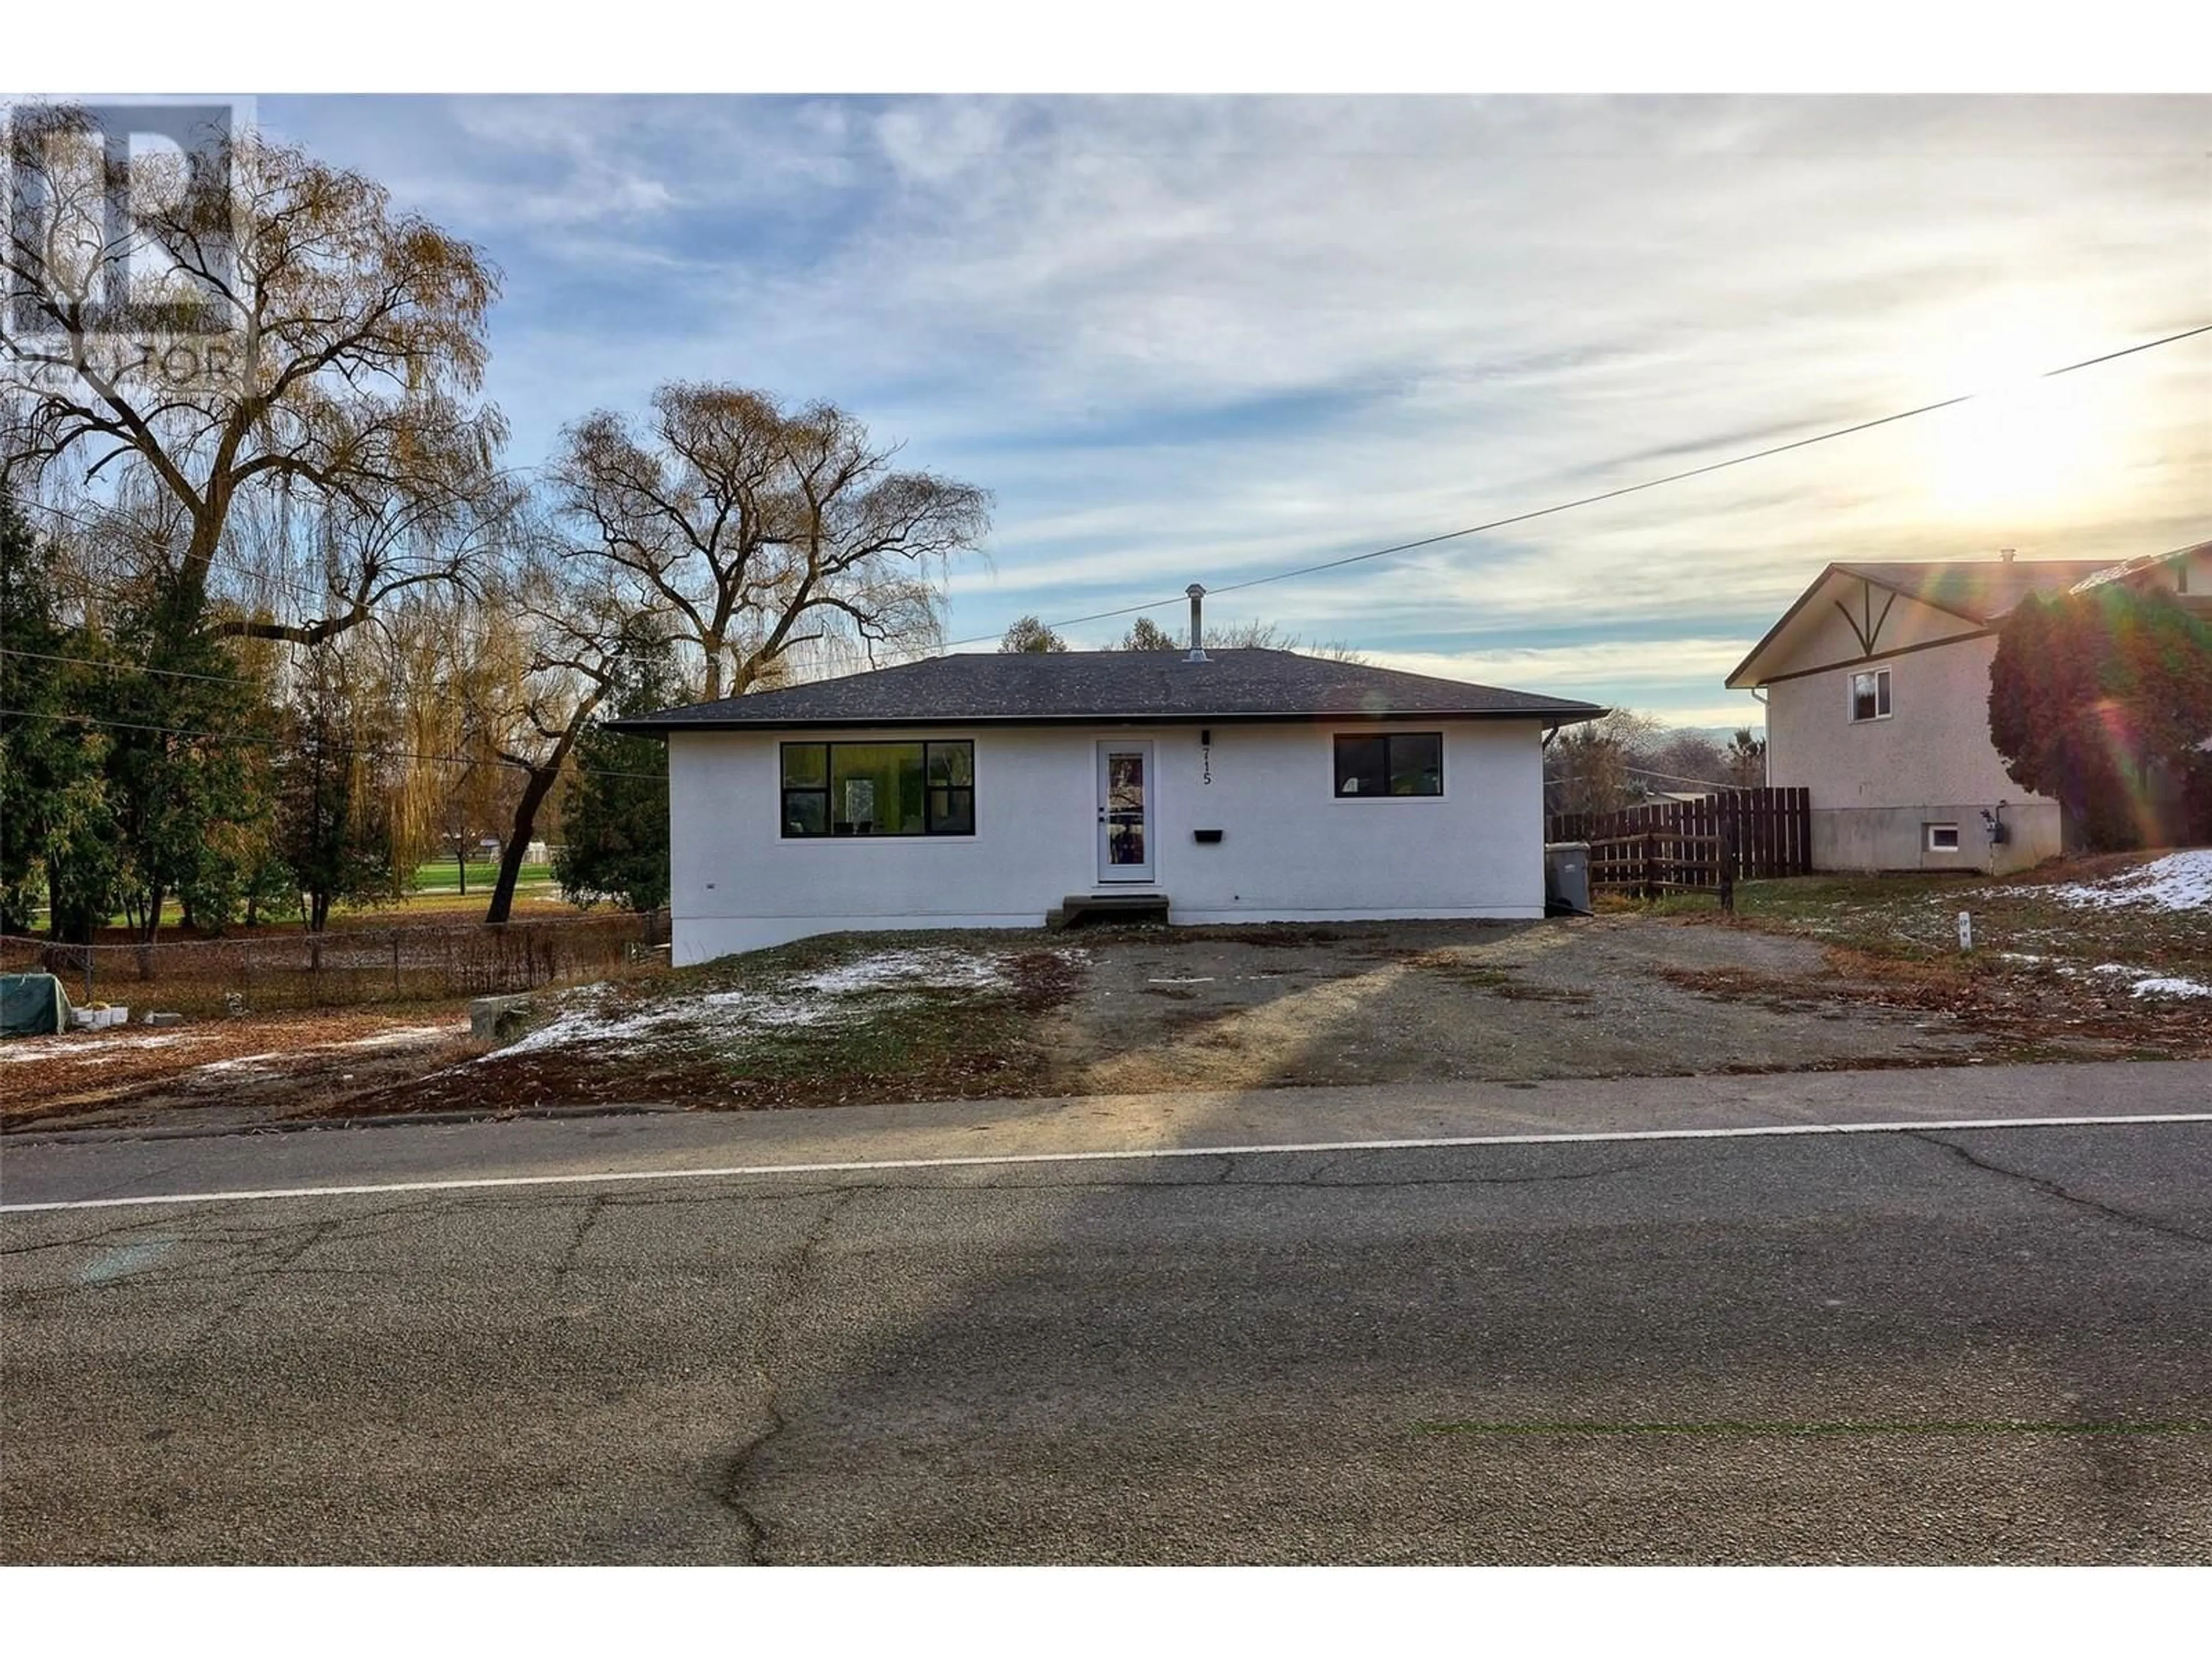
[[987, 790]]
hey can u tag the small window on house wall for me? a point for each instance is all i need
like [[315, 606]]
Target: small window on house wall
[[1943, 837], [1870, 694]]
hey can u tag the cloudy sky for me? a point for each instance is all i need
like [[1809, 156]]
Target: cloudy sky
[[1208, 339]]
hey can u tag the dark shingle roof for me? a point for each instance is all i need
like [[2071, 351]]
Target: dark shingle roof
[[1040, 688], [2129, 568]]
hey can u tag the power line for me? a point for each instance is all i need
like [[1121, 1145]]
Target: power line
[[280, 743], [131, 667], [1674, 777], [1591, 500], [1605, 494]]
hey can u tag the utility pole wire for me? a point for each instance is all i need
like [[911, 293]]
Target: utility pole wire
[[253, 742], [1606, 495]]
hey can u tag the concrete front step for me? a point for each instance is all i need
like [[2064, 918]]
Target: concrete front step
[[1079, 907]]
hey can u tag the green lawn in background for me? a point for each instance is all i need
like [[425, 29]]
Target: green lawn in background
[[441, 876], [434, 880]]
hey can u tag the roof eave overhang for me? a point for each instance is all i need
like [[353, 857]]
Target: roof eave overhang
[[1741, 679], [1562, 714]]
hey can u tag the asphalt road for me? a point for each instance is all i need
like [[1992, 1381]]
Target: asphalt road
[[1921, 1346]]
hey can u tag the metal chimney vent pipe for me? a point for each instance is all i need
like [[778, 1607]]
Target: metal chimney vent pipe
[[1197, 628]]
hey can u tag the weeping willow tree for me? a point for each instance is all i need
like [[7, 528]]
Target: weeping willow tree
[[304, 340]]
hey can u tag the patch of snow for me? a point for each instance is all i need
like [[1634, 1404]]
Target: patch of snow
[[42, 1047], [2180, 881], [843, 995], [2171, 985], [242, 1063], [402, 1036], [914, 969]]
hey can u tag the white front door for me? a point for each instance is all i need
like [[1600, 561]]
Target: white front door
[[1124, 811]]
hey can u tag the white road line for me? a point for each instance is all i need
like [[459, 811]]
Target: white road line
[[874, 1166]]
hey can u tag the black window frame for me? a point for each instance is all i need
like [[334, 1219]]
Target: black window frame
[[1389, 767], [941, 817]]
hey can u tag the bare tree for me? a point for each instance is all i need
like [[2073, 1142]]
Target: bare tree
[[567, 636], [765, 530], [306, 344], [1681, 760], [1258, 636], [1587, 767]]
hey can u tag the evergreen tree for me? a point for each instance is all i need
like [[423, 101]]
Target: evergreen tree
[[614, 811], [187, 776], [1027, 634], [1145, 635], [2093, 695], [57, 829], [332, 831], [1746, 759]]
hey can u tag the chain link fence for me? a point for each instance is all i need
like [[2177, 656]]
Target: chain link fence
[[344, 967]]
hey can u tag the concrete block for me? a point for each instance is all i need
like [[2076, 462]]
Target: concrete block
[[165, 1019], [498, 1019]]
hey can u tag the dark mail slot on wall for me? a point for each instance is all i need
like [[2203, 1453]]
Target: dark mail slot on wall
[[1206, 837]]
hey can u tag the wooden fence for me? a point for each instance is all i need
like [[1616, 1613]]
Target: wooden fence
[[1704, 845]]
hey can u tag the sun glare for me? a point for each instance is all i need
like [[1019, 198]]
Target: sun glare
[[2026, 445]]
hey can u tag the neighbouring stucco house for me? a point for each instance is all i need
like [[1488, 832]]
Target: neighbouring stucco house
[[981, 790], [1876, 682]]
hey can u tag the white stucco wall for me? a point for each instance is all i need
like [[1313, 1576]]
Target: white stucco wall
[[1291, 849], [1874, 783]]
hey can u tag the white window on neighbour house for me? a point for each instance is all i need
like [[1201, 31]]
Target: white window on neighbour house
[[1870, 694]]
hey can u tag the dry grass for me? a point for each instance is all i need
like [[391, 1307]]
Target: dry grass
[[2044, 976]]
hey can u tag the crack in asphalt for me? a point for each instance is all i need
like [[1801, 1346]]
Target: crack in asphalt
[[592, 1212], [251, 1284], [2052, 1188], [789, 1277]]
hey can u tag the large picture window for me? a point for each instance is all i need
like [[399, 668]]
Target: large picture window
[[879, 788], [1392, 763]]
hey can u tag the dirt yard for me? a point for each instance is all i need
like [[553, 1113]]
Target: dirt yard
[[2113, 961], [244, 1071]]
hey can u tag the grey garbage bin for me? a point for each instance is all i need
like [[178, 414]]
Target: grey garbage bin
[[1566, 878]]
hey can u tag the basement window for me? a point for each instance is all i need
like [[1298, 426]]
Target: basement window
[[1396, 764], [1942, 837], [1870, 695], [878, 789]]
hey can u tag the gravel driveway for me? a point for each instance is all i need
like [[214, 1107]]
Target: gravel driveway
[[1419, 1002]]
